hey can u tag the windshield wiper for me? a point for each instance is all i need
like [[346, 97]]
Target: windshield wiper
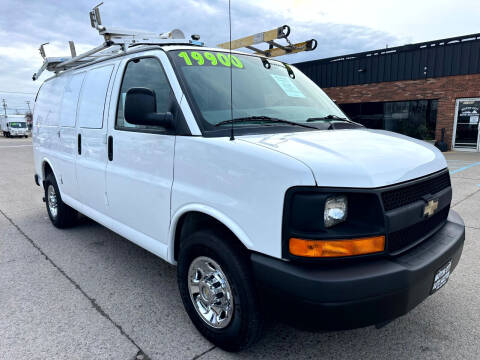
[[264, 119], [327, 117]]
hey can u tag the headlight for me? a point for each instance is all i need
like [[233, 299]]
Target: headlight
[[353, 223], [335, 210]]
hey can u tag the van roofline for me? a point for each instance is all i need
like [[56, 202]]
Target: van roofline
[[147, 47], [204, 48]]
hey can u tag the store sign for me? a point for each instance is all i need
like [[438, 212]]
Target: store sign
[[467, 124], [468, 111]]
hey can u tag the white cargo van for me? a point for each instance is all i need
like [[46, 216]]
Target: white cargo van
[[300, 202], [14, 125]]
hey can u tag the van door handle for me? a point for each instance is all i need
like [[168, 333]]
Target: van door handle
[[110, 148], [79, 144]]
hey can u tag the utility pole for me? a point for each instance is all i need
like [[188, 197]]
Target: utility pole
[[4, 103], [28, 104]]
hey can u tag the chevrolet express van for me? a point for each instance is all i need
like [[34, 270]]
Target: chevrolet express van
[[277, 190]]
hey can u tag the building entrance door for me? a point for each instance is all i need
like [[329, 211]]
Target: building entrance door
[[466, 135]]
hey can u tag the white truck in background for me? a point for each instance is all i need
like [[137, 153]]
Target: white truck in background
[[14, 125]]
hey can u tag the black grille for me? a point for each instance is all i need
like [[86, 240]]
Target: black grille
[[408, 194], [401, 239]]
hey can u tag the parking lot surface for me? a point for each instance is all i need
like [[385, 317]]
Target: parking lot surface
[[87, 293]]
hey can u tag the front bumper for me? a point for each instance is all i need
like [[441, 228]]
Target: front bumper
[[365, 293]]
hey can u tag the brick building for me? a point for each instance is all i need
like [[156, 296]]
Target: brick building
[[416, 89]]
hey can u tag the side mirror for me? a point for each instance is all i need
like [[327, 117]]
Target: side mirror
[[141, 109]]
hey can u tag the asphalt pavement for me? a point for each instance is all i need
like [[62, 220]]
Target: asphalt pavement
[[87, 293]]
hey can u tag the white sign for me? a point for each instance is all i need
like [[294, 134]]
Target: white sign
[[287, 86]]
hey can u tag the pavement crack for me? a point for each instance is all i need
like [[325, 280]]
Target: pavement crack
[[203, 353], [8, 261], [140, 354], [468, 197], [472, 227]]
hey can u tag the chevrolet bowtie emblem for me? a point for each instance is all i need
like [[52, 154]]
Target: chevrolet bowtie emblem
[[430, 208]]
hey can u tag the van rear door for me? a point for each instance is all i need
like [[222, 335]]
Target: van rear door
[[92, 139]]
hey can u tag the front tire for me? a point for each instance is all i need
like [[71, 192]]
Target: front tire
[[218, 291], [61, 215]]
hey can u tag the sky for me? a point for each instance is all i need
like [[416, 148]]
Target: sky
[[340, 27]]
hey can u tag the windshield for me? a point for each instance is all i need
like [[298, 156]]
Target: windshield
[[260, 89], [18, 125]]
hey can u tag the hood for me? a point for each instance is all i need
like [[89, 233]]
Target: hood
[[359, 158]]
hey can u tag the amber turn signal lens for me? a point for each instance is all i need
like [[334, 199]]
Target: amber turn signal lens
[[336, 248]]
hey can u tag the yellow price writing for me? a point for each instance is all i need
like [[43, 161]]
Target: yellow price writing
[[204, 57]]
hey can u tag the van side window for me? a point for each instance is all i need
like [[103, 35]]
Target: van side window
[[48, 102], [92, 98], [146, 73], [41, 104], [68, 112]]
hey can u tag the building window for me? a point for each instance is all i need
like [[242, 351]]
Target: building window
[[415, 118]]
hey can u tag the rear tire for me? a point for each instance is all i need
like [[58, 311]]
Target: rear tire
[[61, 215], [209, 260]]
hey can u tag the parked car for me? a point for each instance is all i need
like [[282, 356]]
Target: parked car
[[291, 196]]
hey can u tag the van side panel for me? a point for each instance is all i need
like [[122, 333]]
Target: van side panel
[[241, 186], [68, 135], [84, 111], [45, 129], [92, 161]]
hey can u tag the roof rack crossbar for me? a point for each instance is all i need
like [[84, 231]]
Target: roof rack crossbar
[[73, 51], [84, 55], [269, 38]]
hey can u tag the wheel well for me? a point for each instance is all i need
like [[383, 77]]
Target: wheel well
[[47, 170], [194, 221]]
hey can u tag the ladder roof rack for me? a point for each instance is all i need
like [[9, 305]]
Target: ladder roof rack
[[116, 41], [270, 38]]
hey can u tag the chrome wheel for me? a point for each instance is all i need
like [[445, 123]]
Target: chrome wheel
[[210, 292], [52, 201]]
